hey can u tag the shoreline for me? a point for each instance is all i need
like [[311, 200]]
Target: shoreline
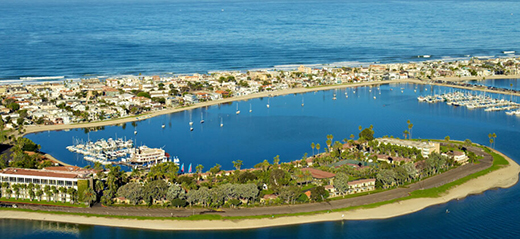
[[502, 178], [40, 128]]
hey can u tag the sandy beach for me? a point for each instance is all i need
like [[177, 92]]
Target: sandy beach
[[502, 178]]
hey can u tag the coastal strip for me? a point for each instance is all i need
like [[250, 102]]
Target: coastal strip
[[40, 128], [502, 178]]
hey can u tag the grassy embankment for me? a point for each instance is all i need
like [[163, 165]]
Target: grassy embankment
[[498, 162]]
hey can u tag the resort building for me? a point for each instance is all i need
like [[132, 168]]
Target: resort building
[[362, 185], [318, 175], [17, 182], [426, 147]]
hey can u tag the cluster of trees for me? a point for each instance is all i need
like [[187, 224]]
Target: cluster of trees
[[395, 150], [36, 191], [396, 175]]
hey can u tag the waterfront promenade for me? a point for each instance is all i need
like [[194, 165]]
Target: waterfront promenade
[[504, 177]]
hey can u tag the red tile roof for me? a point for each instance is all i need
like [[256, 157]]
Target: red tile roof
[[41, 173], [316, 173]]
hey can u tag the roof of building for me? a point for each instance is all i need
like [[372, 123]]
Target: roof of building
[[368, 180], [43, 173], [316, 173]]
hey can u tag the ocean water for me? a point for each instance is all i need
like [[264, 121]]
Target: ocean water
[[92, 38]]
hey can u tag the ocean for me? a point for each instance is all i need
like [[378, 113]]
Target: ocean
[[106, 38], [83, 39]]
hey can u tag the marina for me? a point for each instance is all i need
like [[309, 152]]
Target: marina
[[110, 151], [473, 101]]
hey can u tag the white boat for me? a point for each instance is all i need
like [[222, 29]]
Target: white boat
[[135, 131], [424, 56], [221, 124], [250, 108], [303, 102], [201, 119], [508, 52], [163, 126], [267, 102], [238, 111]]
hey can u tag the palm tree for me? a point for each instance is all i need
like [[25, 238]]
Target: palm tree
[[54, 193], [89, 196], [199, 168], [318, 146], [237, 164], [16, 189], [410, 126], [329, 142], [276, 160], [494, 139], [62, 192], [405, 133], [72, 194], [312, 146]]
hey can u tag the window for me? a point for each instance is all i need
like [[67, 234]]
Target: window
[[20, 180], [37, 181], [60, 183], [45, 181], [68, 183], [12, 179]]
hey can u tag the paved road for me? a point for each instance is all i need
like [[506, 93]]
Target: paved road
[[431, 182]]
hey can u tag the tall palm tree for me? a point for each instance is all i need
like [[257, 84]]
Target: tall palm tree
[[318, 146], [405, 133], [312, 146]]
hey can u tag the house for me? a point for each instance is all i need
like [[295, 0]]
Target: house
[[362, 185], [392, 159], [426, 147], [318, 175]]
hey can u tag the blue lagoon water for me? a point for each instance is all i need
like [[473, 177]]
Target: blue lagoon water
[[91, 38]]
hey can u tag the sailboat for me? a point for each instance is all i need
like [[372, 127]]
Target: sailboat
[[163, 126], [238, 111], [302, 102], [201, 119], [267, 102], [221, 124], [189, 169], [250, 108], [191, 122]]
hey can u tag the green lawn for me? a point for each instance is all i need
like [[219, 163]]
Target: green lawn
[[13, 200]]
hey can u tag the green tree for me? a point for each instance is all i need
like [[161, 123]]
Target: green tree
[[215, 169], [89, 196], [237, 164], [312, 146], [340, 182], [154, 190], [175, 192], [367, 134], [166, 170], [318, 146], [199, 168], [131, 191], [319, 194]]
